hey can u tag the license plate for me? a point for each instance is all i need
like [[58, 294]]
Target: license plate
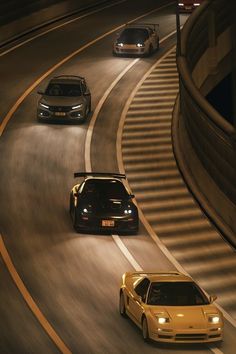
[[108, 223], [188, 7], [60, 114]]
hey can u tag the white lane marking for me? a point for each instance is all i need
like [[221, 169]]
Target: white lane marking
[[126, 253], [30, 301], [144, 221], [63, 61], [89, 133], [79, 18], [58, 26]]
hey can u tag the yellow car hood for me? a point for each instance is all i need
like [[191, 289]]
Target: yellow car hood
[[186, 316]]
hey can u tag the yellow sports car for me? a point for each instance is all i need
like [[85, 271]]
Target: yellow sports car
[[170, 307]]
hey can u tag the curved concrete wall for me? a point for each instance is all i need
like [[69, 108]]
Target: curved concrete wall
[[17, 20], [205, 142]]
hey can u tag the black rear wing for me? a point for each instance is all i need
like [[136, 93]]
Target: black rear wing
[[99, 174], [153, 25]]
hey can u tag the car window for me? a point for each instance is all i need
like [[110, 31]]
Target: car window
[[176, 294], [142, 288], [70, 90], [105, 189], [134, 35]]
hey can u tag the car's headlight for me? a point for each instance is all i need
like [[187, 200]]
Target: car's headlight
[[77, 106], [181, 4], [214, 318], [120, 44], [86, 209], [43, 105], [196, 4], [140, 45], [162, 319], [128, 211]]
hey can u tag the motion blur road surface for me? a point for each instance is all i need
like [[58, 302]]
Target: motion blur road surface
[[72, 278]]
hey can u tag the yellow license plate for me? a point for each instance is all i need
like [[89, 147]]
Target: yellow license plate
[[108, 223], [60, 114]]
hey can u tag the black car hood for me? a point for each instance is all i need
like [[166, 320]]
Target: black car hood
[[61, 101]]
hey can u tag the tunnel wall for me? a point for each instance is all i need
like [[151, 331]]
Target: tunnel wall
[[205, 143], [16, 20]]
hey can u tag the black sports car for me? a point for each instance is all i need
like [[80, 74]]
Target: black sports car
[[101, 202]]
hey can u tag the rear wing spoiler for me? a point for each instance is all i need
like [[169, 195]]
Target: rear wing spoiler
[[99, 174], [153, 25]]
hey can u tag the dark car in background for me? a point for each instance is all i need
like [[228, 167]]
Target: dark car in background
[[67, 99], [101, 202], [188, 5]]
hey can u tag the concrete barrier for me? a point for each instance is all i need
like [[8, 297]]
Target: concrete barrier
[[16, 21], [205, 143]]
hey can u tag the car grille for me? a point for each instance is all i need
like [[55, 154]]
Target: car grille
[[191, 336], [60, 108], [129, 50]]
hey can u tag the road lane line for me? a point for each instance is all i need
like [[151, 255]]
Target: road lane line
[[63, 61], [90, 129], [30, 302], [58, 26], [126, 253]]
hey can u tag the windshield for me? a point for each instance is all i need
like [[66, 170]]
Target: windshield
[[133, 35], [176, 294], [71, 90], [104, 189]]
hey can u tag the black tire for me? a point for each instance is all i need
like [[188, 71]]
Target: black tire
[[150, 50], [73, 218], [122, 308], [145, 332]]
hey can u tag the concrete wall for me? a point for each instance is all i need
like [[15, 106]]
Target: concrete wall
[[205, 142], [19, 17]]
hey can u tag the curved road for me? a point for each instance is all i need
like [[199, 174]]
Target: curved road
[[68, 301]]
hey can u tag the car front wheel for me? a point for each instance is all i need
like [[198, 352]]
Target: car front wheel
[[145, 329], [122, 308]]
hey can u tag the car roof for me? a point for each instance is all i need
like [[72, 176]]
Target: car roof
[[68, 79], [166, 276]]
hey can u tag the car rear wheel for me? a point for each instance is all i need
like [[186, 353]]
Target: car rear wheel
[[145, 329], [122, 308], [150, 51]]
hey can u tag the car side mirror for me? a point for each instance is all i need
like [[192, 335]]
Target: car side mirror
[[138, 298], [132, 196], [213, 298]]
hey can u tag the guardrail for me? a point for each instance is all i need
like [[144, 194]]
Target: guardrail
[[206, 142], [17, 20]]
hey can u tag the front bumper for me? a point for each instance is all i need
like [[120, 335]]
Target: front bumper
[[213, 334], [46, 115], [117, 224], [129, 50]]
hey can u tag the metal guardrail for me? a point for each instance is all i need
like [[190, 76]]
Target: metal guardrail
[[16, 21], [212, 138]]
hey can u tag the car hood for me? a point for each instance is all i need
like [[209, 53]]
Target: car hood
[[61, 101], [186, 316], [108, 206]]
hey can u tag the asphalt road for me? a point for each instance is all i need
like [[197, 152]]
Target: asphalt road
[[73, 279]]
